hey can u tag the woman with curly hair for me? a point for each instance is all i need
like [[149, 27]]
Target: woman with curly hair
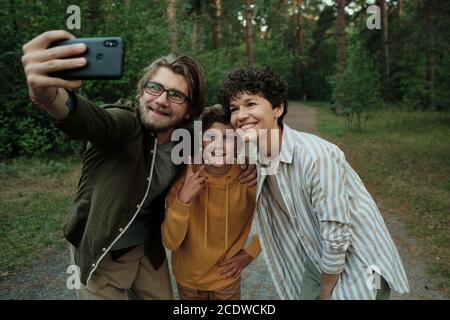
[[321, 232]]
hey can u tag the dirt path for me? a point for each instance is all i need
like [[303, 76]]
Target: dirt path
[[301, 117], [47, 278]]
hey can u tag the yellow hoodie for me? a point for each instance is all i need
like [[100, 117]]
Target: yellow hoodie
[[214, 225]]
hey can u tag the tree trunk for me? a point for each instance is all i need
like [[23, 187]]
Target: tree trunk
[[384, 49], [299, 44], [249, 32], [283, 8], [96, 15], [13, 16], [430, 52], [216, 32], [299, 33], [340, 54], [197, 27], [194, 32], [399, 9], [340, 36], [172, 18], [201, 30]]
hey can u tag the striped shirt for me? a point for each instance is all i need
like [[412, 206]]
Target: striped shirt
[[316, 206]]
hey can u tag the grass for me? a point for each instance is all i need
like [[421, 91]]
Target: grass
[[404, 157], [35, 195]]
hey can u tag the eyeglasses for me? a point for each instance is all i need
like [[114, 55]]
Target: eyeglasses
[[156, 89]]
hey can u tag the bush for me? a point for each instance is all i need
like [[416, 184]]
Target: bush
[[356, 91]]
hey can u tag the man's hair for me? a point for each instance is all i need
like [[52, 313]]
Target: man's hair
[[213, 114], [261, 81], [190, 69]]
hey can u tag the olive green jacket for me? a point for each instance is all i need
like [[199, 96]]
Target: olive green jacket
[[115, 179]]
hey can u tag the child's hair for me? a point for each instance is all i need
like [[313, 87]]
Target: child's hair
[[215, 113], [262, 81]]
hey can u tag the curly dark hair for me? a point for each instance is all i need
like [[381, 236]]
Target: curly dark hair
[[262, 81]]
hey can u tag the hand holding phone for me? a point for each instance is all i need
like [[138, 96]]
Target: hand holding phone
[[39, 60], [45, 57], [104, 57]]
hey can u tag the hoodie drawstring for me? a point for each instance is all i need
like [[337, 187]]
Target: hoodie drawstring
[[226, 212], [206, 210], [226, 216]]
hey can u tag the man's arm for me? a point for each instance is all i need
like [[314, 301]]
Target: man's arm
[[58, 109], [107, 126], [38, 61], [78, 117]]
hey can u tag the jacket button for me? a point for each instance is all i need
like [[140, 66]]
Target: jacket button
[[138, 206], [148, 178], [93, 265], [104, 249], [121, 230]]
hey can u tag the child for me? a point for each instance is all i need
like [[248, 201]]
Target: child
[[208, 218]]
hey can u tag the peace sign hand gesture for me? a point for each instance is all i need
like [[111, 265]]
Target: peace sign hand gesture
[[193, 183]]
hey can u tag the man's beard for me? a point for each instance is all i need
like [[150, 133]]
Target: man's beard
[[154, 126]]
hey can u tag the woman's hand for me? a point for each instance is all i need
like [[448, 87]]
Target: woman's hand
[[327, 284], [248, 175]]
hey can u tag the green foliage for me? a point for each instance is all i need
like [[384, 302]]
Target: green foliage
[[356, 90], [410, 42], [144, 26], [321, 56], [216, 64]]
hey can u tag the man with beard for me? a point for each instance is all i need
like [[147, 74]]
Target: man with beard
[[115, 220]]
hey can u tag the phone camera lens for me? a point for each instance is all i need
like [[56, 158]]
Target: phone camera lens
[[110, 43]]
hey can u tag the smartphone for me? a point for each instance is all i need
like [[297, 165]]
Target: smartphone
[[104, 55]]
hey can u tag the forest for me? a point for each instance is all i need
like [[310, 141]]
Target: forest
[[358, 56]]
